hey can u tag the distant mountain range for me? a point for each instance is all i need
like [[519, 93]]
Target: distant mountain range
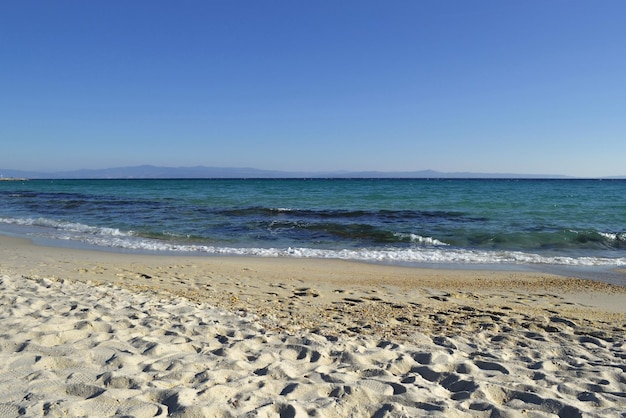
[[155, 172]]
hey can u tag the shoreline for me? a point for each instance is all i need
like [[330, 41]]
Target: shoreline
[[611, 274], [299, 289], [229, 336], [65, 261]]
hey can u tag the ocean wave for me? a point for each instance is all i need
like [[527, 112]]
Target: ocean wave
[[421, 255], [418, 239], [65, 226], [427, 251], [615, 240], [621, 236], [383, 214]]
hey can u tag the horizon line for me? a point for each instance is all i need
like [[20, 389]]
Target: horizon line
[[211, 172]]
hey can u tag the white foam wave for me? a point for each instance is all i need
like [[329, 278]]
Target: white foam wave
[[65, 226], [418, 239], [414, 255], [614, 237], [431, 251]]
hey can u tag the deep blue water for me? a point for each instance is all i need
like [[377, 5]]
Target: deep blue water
[[505, 222]]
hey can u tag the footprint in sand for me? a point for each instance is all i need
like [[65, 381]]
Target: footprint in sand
[[306, 292]]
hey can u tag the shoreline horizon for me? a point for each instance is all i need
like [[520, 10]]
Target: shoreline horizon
[[147, 171]]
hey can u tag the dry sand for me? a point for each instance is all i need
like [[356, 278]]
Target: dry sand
[[90, 333]]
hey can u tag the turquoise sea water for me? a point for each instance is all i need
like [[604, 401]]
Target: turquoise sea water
[[505, 222]]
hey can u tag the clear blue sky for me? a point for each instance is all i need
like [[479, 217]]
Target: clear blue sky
[[534, 86]]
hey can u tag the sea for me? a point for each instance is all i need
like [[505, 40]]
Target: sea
[[563, 226]]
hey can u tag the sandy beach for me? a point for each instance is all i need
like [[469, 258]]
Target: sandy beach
[[93, 333]]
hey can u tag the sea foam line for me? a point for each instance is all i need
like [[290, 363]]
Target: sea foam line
[[433, 251], [65, 226], [396, 256]]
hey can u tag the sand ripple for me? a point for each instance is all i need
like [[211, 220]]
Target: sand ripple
[[79, 349]]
